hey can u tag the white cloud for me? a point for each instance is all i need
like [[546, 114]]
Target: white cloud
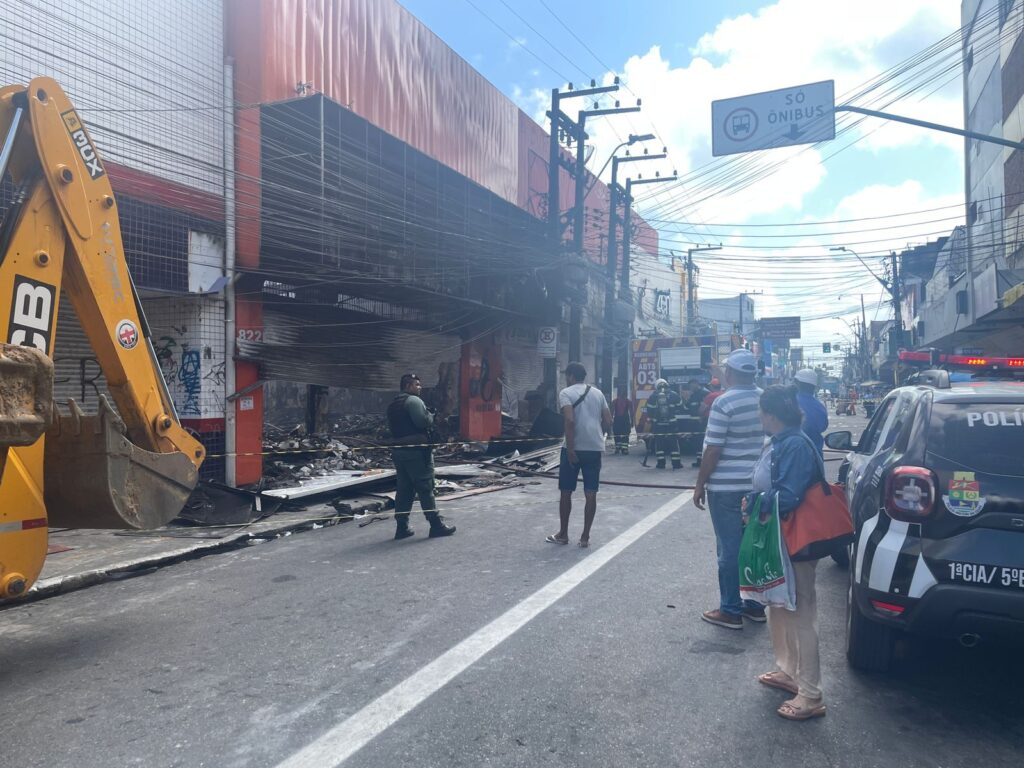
[[533, 101], [787, 43]]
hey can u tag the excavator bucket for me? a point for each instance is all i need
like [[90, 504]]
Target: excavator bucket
[[26, 394], [97, 478]]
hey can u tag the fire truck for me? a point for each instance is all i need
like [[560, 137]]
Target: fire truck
[[677, 360]]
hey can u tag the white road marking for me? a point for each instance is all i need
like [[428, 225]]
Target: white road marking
[[352, 734]]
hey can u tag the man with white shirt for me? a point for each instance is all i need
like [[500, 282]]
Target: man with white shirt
[[587, 419]]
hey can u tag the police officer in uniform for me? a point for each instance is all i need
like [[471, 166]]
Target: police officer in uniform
[[662, 409], [411, 424]]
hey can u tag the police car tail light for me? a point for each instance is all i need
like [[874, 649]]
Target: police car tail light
[[961, 361], [909, 493]]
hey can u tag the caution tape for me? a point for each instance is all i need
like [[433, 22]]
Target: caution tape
[[450, 444]]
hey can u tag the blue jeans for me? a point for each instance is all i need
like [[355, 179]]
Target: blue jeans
[[727, 520]]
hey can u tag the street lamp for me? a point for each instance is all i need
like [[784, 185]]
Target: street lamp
[[864, 263], [633, 139]]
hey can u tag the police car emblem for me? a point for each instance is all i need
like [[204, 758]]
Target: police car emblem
[[964, 498]]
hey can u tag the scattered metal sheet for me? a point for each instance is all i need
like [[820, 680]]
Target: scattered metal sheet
[[335, 482], [462, 470]]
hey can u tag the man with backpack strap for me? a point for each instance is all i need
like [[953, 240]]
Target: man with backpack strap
[[587, 419]]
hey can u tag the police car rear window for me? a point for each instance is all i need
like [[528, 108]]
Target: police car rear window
[[981, 437]]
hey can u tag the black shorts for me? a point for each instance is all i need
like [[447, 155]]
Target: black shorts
[[569, 474]]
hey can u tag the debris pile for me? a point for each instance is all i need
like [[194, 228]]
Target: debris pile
[[294, 458], [371, 427], [350, 468]]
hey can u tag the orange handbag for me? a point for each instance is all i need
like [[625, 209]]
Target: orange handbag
[[821, 525]]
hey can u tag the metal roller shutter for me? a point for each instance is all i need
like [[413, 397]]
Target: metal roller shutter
[[344, 356], [76, 372], [522, 370]]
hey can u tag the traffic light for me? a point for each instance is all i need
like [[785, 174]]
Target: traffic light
[[826, 348]]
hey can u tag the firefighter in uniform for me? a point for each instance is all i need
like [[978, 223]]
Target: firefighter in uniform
[[662, 410], [411, 425]]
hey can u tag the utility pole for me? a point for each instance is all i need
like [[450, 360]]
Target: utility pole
[[892, 287], [897, 300], [627, 238], [611, 263], [691, 311], [574, 130], [865, 357], [691, 306]]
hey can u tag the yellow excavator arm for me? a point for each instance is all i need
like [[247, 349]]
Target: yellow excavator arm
[[131, 468]]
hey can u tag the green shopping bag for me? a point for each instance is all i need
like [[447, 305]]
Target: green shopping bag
[[766, 573]]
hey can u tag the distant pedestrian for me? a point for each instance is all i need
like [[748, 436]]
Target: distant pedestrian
[[622, 421], [732, 445], [587, 419], [795, 466], [815, 414], [411, 426]]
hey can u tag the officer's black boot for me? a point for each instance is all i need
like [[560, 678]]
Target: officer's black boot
[[402, 529], [437, 526], [677, 464], [660, 464]]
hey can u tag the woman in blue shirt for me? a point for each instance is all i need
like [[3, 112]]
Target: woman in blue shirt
[[795, 465]]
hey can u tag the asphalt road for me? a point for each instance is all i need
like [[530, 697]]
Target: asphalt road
[[488, 648]]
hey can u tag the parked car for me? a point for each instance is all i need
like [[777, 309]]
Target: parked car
[[936, 489]]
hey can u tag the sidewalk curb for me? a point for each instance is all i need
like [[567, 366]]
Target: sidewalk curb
[[59, 585]]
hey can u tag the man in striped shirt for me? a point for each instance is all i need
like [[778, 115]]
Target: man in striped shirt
[[732, 445]]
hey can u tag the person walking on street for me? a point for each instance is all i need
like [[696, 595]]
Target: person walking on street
[[622, 421], [732, 445], [661, 410], [587, 419], [815, 414], [411, 424], [795, 466]]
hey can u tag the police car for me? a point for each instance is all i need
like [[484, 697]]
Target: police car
[[936, 489]]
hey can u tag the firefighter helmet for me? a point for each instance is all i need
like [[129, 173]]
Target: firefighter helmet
[[661, 384]]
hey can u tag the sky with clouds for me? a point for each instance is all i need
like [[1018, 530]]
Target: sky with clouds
[[878, 186]]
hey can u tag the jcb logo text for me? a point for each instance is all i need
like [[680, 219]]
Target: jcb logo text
[[32, 314]]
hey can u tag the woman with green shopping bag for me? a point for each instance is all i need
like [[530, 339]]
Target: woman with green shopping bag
[[791, 465]]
